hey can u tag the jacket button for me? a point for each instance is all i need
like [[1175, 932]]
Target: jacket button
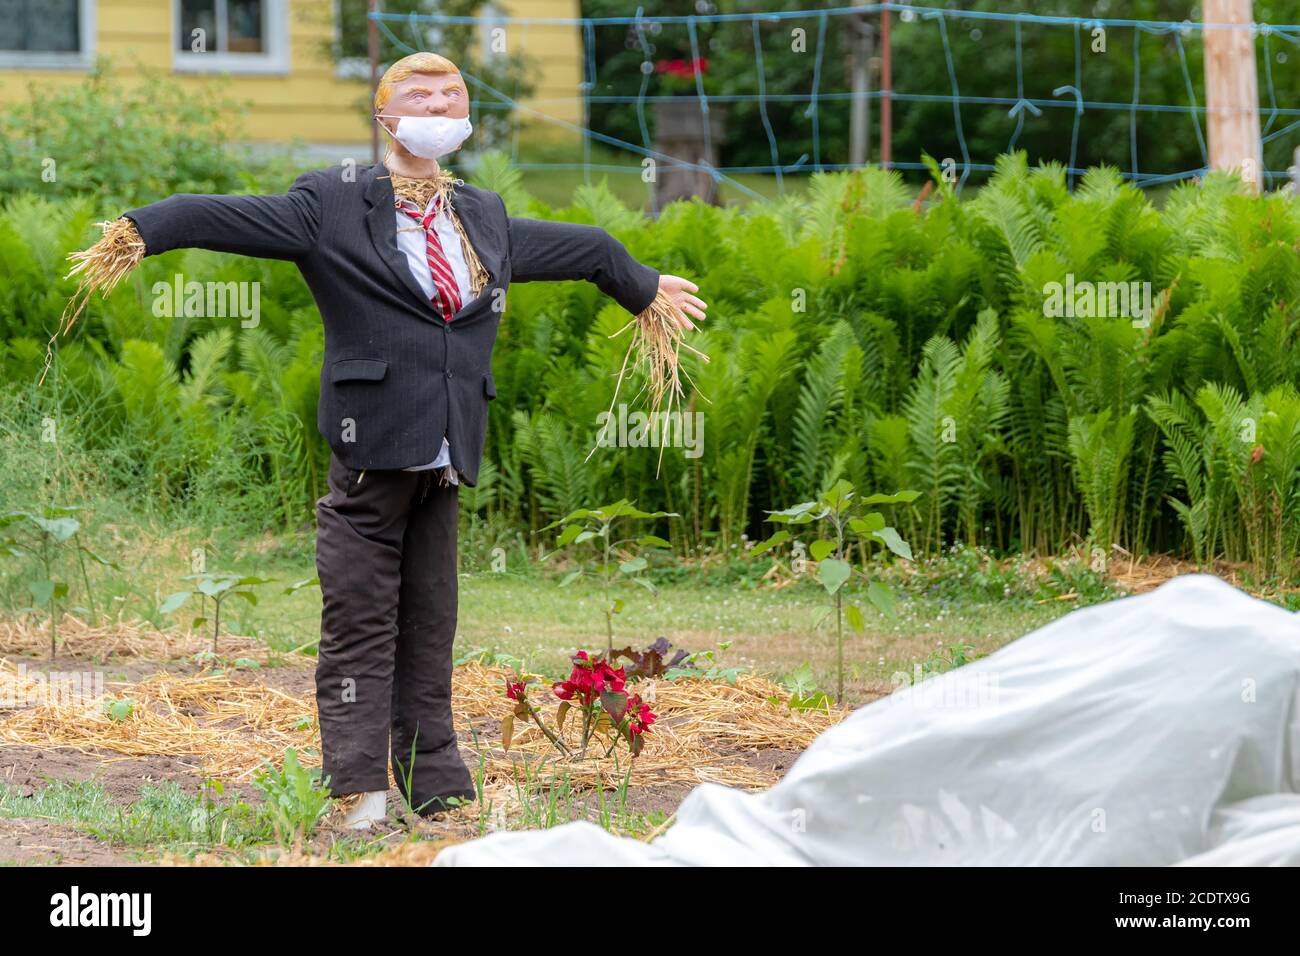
[[449, 374]]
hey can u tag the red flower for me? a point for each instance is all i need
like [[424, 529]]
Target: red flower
[[682, 69], [639, 716], [515, 691], [589, 678], [606, 678]]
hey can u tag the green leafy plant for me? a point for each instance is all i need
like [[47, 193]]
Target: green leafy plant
[[1074, 580], [953, 656], [44, 536], [617, 559], [804, 694], [217, 588], [922, 356], [704, 665], [119, 710], [296, 797], [108, 132], [838, 517], [489, 657]]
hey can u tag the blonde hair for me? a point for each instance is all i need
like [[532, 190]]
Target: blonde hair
[[407, 66]]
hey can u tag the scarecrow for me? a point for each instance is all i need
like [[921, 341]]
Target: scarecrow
[[408, 266]]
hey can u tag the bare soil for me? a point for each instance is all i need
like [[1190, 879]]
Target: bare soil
[[34, 842]]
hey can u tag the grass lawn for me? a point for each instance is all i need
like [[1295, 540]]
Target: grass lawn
[[525, 613], [555, 186], [772, 631], [80, 802]]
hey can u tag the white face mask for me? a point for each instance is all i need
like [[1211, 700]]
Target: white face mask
[[430, 137]]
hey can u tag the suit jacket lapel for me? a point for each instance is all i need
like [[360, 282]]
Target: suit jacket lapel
[[469, 208], [382, 222]]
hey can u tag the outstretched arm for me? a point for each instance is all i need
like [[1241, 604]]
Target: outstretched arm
[[542, 250], [269, 227]]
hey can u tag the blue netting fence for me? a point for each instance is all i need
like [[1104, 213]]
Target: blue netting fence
[[1061, 109]]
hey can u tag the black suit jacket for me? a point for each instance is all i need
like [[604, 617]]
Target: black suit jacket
[[396, 376]]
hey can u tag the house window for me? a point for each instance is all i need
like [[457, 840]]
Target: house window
[[236, 36], [53, 33]]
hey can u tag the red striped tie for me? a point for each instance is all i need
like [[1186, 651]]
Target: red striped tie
[[447, 293]]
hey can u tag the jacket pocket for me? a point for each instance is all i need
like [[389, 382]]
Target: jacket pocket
[[358, 370], [489, 386]]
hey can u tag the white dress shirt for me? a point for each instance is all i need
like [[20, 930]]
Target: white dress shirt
[[411, 241]]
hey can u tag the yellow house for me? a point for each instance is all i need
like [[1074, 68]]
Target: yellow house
[[273, 54]]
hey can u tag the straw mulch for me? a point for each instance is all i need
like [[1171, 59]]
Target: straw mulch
[[407, 853], [130, 639], [229, 728], [1142, 573], [1139, 575]]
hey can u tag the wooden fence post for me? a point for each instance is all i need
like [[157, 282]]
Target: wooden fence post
[[1232, 90]]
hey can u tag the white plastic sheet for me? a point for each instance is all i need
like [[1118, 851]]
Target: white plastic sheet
[[1153, 730]]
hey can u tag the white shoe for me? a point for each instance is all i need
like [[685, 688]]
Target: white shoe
[[370, 808]]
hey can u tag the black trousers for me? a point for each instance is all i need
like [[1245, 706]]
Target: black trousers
[[386, 555]]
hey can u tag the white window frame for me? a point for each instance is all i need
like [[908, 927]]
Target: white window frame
[[273, 59], [82, 59]]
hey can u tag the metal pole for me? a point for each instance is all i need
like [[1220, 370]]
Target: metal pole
[[372, 40], [886, 93], [860, 108]]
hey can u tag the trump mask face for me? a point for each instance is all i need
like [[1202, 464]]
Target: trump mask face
[[423, 104]]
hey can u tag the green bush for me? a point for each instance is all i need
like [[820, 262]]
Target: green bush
[[125, 143], [853, 334]]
